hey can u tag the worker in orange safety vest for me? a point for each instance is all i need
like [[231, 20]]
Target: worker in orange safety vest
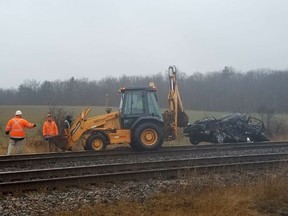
[[15, 129], [49, 129]]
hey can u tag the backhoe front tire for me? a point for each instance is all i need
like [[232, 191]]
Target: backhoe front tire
[[96, 142], [147, 136]]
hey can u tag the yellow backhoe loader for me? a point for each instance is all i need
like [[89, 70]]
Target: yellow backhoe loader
[[138, 122]]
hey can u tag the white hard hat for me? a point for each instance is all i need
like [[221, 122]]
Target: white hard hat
[[18, 112]]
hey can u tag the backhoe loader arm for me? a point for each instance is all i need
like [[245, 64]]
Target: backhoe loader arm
[[82, 124], [175, 116], [174, 99]]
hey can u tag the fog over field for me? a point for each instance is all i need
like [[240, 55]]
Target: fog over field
[[50, 40]]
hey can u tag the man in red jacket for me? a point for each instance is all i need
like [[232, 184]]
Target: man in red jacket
[[15, 128]]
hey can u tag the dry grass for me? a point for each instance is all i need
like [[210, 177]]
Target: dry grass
[[269, 197], [36, 114]]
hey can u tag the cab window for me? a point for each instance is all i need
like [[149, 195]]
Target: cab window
[[134, 103]]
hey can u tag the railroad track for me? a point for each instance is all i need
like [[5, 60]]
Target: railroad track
[[76, 176], [32, 161]]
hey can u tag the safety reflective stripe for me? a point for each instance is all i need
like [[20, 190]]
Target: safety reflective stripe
[[16, 128], [67, 123], [16, 123]]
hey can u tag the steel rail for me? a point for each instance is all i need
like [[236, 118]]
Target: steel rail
[[34, 159], [129, 150], [73, 176], [108, 168]]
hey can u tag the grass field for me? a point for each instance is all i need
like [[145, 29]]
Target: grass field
[[263, 196], [36, 114]]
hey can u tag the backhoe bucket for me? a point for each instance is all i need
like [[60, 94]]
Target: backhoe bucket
[[60, 141], [170, 127], [182, 119]]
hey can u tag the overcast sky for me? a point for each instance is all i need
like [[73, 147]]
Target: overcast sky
[[58, 39]]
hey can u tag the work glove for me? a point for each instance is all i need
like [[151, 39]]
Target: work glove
[[34, 125], [7, 132]]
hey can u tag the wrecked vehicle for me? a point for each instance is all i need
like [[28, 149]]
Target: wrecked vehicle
[[235, 127]]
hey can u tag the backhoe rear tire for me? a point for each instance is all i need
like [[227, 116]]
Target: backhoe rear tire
[[96, 142], [147, 136]]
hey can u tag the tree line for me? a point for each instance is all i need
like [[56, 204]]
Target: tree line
[[226, 91]]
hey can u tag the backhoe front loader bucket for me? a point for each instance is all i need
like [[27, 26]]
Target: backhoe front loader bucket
[[61, 141]]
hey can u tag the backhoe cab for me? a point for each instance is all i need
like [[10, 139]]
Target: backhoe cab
[[138, 122], [141, 115]]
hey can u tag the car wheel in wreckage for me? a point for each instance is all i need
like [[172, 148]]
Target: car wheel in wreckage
[[219, 137], [193, 140]]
